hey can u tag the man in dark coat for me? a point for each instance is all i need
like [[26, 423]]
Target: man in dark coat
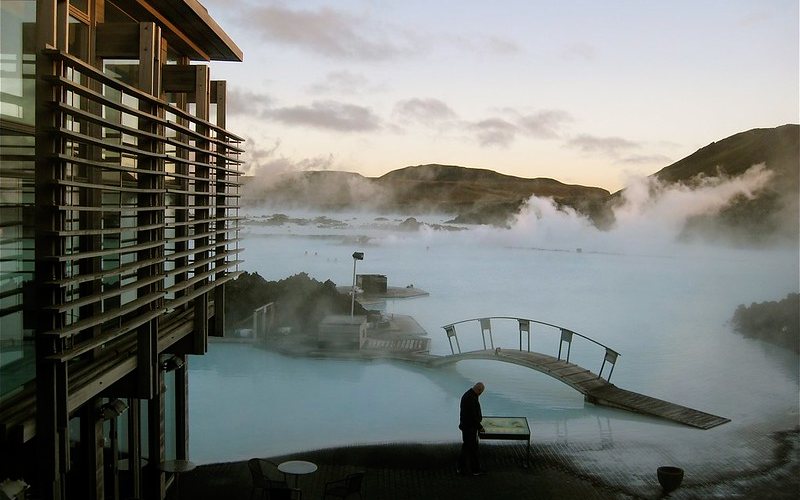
[[470, 424]]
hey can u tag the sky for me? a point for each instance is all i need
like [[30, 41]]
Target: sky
[[592, 92]]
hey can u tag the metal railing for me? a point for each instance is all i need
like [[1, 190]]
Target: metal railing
[[567, 335]]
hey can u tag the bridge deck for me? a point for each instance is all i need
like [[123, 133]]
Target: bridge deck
[[596, 389]]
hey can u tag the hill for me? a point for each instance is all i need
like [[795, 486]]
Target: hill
[[778, 148], [770, 213], [483, 196], [472, 195]]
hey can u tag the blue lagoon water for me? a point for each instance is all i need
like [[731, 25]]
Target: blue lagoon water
[[665, 306]]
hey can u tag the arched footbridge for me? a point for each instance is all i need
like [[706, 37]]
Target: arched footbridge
[[595, 387]]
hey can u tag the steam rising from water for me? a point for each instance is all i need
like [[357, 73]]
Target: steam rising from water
[[649, 218], [667, 316]]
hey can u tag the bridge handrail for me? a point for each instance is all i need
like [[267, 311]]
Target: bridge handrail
[[538, 323]]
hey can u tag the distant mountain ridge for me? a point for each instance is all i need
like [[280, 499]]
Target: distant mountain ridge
[[778, 148], [475, 195]]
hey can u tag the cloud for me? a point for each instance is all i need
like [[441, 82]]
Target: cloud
[[611, 146], [646, 159], [422, 110], [246, 102], [331, 115], [266, 162], [282, 165], [490, 45], [326, 31], [495, 132], [343, 82], [501, 132], [544, 124]]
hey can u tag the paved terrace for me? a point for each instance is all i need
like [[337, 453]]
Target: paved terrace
[[558, 471], [767, 466]]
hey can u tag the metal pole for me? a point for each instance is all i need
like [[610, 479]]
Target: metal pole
[[353, 293], [356, 256]]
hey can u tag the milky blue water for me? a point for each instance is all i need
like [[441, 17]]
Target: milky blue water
[[665, 306]]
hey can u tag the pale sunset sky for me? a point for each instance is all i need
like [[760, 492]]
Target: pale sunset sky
[[585, 92]]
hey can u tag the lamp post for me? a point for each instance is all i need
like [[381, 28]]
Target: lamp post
[[356, 257]]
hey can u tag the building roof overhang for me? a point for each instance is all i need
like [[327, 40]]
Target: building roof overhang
[[189, 28]]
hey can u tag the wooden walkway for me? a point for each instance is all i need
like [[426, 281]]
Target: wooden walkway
[[595, 389]]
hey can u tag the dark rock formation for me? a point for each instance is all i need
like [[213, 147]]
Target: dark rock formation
[[774, 322]]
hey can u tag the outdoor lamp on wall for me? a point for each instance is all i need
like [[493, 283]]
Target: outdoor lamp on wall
[[356, 257], [172, 363], [112, 409]]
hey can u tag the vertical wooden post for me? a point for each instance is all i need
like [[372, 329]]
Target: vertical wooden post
[[113, 436], [155, 486], [147, 334], [91, 446], [182, 199], [149, 76], [135, 446], [51, 376], [182, 410], [219, 95], [201, 211]]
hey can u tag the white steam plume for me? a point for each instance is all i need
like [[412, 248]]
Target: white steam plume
[[649, 219]]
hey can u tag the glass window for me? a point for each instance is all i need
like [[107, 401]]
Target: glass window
[[17, 72], [78, 41], [17, 61]]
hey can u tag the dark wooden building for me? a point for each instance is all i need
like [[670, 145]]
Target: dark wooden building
[[118, 230], [372, 283]]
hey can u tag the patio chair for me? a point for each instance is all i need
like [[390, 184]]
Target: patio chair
[[345, 487], [265, 476]]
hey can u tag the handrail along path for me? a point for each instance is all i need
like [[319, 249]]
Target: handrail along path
[[593, 386]]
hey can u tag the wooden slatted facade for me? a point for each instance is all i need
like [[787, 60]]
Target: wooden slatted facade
[[119, 196]]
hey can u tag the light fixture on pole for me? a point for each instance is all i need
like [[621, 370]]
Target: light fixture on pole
[[356, 256]]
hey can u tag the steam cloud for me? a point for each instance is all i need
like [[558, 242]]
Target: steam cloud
[[650, 219]]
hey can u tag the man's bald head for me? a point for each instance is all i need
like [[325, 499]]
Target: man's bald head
[[478, 388]]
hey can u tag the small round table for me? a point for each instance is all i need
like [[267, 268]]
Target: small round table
[[177, 467], [297, 468]]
